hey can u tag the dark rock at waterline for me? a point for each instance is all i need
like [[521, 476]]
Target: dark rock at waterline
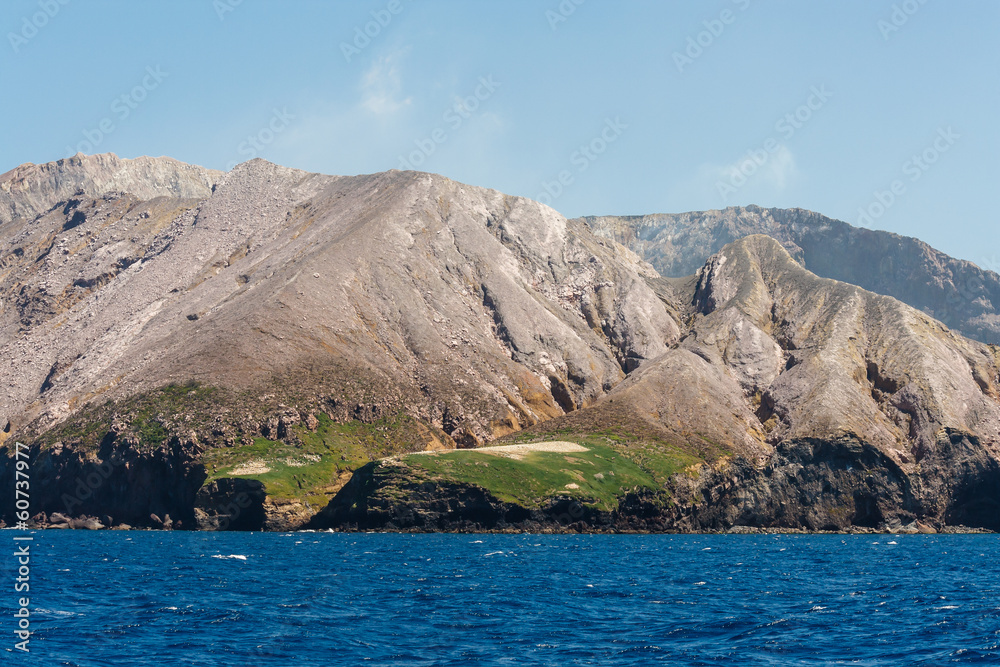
[[231, 504]]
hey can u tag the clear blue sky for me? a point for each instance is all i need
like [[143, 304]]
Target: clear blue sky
[[199, 77]]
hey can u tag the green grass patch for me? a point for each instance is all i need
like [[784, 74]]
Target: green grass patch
[[307, 471], [658, 457], [601, 475], [624, 461]]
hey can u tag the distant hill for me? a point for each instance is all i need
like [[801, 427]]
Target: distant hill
[[957, 292]]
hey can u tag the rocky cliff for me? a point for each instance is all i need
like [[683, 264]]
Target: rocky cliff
[[192, 349], [959, 293]]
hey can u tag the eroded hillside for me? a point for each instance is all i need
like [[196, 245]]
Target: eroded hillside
[[243, 350]]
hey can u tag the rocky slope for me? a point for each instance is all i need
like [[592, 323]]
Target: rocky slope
[[292, 294], [827, 407], [959, 293], [188, 349]]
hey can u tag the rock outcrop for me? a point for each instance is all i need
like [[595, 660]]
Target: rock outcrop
[[30, 190]]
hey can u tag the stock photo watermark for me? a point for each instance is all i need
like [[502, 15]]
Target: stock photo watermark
[[121, 108], [582, 158], [454, 117], [562, 12], [786, 126], [899, 17], [22, 546], [704, 39], [914, 168], [364, 34], [223, 7], [265, 136], [32, 24]]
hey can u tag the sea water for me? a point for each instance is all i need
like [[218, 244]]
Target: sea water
[[179, 598]]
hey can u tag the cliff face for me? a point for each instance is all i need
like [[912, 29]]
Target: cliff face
[[230, 348], [867, 411], [959, 293]]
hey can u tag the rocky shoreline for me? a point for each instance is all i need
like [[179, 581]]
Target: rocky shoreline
[[59, 522]]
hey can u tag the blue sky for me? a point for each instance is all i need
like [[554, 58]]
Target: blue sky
[[594, 106]]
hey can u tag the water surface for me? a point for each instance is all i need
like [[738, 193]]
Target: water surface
[[149, 598]]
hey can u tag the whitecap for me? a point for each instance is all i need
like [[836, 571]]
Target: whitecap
[[700, 583], [54, 612], [493, 553], [948, 606], [893, 542], [236, 556]]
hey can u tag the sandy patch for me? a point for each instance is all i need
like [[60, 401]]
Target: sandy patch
[[518, 451], [252, 467]]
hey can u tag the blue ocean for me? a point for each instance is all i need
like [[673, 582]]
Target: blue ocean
[[155, 598]]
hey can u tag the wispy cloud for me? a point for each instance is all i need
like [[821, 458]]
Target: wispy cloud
[[382, 86], [773, 170], [759, 175]]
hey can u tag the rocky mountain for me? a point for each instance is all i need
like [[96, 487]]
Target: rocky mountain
[[190, 349], [291, 294], [959, 293], [806, 402]]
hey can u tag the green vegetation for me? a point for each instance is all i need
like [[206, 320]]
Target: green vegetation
[[601, 475], [310, 465], [308, 471], [149, 416], [289, 472], [659, 458]]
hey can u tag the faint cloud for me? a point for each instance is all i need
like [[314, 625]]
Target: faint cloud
[[758, 175], [768, 169], [774, 170], [381, 87]]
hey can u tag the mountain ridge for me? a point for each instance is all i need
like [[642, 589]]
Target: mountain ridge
[[958, 292], [268, 334]]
